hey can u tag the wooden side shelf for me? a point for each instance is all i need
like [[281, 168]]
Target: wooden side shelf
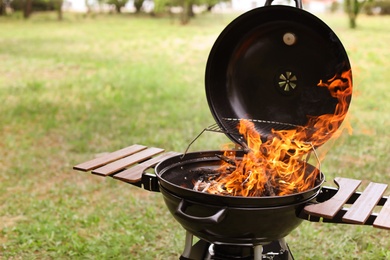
[[107, 158], [121, 164], [360, 210], [383, 220], [329, 208], [342, 205], [127, 164], [134, 173]]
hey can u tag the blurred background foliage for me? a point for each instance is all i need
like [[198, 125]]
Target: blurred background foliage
[[185, 8]]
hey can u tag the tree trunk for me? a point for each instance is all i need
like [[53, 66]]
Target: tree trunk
[[353, 13], [138, 5], [184, 15], [352, 21], [210, 7], [187, 12], [59, 12], [2, 8], [190, 10], [58, 6], [118, 8], [352, 7], [27, 8], [88, 6]]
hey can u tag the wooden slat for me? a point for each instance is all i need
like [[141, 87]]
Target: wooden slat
[[329, 208], [134, 174], [127, 161], [364, 205], [383, 219], [107, 158]]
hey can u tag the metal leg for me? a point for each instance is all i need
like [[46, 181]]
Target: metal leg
[[283, 245], [188, 245], [210, 253], [258, 252]]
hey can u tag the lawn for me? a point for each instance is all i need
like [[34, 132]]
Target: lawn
[[71, 90]]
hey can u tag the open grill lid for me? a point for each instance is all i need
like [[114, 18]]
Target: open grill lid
[[265, 66]]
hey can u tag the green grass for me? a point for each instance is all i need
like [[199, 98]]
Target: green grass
[[71, 90]]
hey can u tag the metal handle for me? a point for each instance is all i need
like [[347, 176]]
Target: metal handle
[[214, 219], [316, 155], [298, 3]]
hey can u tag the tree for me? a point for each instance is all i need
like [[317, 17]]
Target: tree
[[118, 4], [58, 7], [27, 8], [138, 5], [352, 8], [186, 6], [379, 7], [210, 3], [2, 7], [187, 11], [88, 6]]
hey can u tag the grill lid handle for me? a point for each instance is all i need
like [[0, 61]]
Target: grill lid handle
[[298, 3]]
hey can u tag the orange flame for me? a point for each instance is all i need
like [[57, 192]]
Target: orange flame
[[275, 167]]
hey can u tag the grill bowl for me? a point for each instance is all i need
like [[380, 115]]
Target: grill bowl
[[227, 219]]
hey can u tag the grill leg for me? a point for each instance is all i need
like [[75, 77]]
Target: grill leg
[[188, 244], [258, 252], [283, 245]]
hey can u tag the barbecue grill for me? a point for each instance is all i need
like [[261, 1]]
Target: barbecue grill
[[344, 205], [284, 75]]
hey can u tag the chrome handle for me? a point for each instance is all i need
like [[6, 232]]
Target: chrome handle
[[213, 219], [298, 3]]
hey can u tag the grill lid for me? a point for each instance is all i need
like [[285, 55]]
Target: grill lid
[[265, 66]]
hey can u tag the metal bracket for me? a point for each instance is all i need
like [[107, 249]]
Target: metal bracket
[[150, 182]]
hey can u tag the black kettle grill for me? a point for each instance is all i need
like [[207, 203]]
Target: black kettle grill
[[264, 67]]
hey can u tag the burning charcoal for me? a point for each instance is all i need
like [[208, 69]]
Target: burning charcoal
[[201, 186], [264, 151], [247, 179], [206, 187], [196, 186], [269, 189], [204, 171], [226, 159], [213, 175], [230, 169]]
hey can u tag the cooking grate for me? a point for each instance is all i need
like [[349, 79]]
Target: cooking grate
[[260, 125], [263, 127]]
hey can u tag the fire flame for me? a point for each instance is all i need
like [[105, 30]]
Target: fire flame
[[275, 167]]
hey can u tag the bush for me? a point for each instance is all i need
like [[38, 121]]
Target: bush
[[378, 7], [37, 5]]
